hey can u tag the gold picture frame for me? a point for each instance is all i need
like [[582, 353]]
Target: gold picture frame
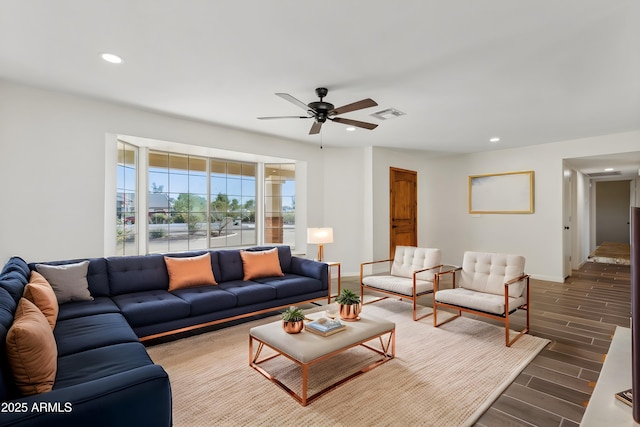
[[501, 193]]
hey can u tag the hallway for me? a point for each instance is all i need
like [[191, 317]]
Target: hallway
[[611, 253]]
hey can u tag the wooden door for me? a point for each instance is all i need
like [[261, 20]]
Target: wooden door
[[403, 209]]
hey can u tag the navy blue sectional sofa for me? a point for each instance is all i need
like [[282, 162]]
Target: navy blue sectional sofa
[[104, 374]]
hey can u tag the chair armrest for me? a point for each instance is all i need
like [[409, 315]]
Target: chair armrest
[[376, 262], [370, 263], [516, 280], [513, 281], [415, 276], [425, 269], [452, 270]]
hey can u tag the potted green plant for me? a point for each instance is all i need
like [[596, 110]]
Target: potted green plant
[[350, 305], [293, 320]]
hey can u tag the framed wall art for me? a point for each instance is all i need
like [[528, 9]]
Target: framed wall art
[[501, 193]]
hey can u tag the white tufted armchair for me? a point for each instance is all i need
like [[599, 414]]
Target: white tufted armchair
[[491, 285], [411, 275]]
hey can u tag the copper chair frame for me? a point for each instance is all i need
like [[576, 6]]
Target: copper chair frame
[[502, 318], [413, 298]]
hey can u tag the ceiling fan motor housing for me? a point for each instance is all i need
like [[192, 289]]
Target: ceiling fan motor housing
[[321, 110]]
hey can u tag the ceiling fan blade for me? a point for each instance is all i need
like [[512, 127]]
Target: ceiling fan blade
[[357, 123], [293, 100], [285, 117], [359, 105], [315, 128]]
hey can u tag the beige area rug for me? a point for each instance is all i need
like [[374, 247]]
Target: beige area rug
[[445, 376]]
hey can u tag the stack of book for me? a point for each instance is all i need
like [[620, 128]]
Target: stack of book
[[325, 327], [625, 396]]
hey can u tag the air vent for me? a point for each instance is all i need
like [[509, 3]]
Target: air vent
[[601, 174], [389, 113]]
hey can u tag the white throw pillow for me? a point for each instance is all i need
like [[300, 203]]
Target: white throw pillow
[[69, 281]]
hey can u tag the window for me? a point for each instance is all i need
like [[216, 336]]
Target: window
[[233, 203], [198, 200], [126, 187], [280, 203], [177, 202]]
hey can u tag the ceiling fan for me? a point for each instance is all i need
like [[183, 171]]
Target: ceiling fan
[[321, 111]]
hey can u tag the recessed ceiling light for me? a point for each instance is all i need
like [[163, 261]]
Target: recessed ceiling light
[[608, 169], [110, 57], [351, 129], [494, 139]]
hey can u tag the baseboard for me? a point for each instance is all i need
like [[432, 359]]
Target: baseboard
[[558, 279]]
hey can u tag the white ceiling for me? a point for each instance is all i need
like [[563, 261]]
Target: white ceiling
[[463, 71]]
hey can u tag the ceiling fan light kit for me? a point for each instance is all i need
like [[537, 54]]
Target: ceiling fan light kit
[[322, 111]]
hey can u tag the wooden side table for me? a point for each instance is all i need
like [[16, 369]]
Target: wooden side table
[[332, 264]]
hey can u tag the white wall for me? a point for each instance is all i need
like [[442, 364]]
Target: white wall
[[443, 219], [345, 207], [52, 148]]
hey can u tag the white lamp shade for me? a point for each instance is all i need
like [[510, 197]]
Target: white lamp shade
[[320, 235]]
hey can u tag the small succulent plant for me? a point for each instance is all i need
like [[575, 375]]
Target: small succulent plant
[[348, 297], [293, 314]]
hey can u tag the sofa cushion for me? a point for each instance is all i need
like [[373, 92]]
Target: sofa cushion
[[249, 292], [213, 254], [144, 308], [488, 272], [69, 281], [129, 274], [257, 264], [230, 265], [290, 285], [84, 333], [14, 283], [189, 271], [16, 264], [89, 365], [99, 305], [97, 275], [398, 285], [31, 350], [39, 292], [284, 255], [206, 299], [480, 301], [408, 259], [7, 309]]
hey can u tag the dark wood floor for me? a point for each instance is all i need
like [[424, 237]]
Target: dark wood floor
[[579, 317]]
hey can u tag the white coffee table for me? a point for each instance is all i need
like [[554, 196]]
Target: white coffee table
[[306, 348]]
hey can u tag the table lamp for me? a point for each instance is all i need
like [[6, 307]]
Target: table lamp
[[320, 236]]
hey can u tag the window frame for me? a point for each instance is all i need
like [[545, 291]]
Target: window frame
[[256, 161]]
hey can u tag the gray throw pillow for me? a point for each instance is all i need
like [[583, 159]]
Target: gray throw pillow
[[69, 281]]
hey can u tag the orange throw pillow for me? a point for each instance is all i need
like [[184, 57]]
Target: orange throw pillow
[[40, 292], [261, 264], [189, 272], [31, 350]]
